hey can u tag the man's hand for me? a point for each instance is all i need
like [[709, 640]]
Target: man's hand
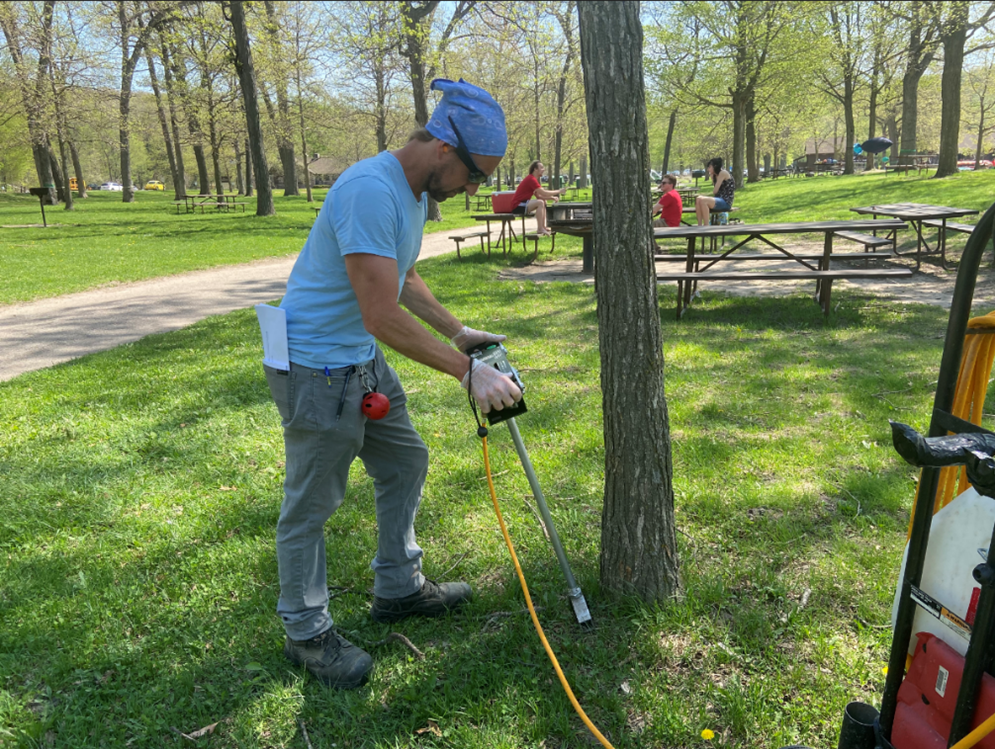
[[490, 388], [467, 338]]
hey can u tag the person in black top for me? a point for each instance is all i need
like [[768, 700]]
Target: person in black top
[[723, 191]]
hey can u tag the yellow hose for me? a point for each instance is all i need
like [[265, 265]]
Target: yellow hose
[[976, 735], [532, 612]]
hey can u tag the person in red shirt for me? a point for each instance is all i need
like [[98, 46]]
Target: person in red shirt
[[531, 197], [669, 206]]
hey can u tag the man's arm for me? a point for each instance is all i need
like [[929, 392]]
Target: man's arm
[[544, 194], [374, 281]]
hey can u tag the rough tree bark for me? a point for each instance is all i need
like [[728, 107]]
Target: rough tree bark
[[285, 144], [249, 192], [752, 165], [161, 110], [954, 36], [239, 184], [670, 138], [247, 80], [180, 182], [78, 169], [638, 543], [923, 30]]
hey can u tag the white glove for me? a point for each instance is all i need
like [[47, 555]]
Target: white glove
[[490, 388], [467, 338]]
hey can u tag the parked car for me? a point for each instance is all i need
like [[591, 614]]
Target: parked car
[[154, 184], [112, 187]]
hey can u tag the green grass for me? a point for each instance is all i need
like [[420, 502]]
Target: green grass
[[831, 197], [141, 489], [104, 241]]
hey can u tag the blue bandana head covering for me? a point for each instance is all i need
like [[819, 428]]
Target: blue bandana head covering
[[478, 117]]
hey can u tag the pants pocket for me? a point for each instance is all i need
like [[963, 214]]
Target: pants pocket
[[281, 388]]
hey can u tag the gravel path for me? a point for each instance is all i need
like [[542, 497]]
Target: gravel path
[[39, 334]]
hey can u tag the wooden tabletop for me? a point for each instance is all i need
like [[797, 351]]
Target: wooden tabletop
[[800, 227], [915, 211]]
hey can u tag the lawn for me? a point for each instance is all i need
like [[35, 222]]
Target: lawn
[[141, 489], [105, 241]]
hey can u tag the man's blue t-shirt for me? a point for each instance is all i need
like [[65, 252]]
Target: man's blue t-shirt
[[370, 209]]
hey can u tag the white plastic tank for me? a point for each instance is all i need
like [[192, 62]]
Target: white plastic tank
[[958, 542]]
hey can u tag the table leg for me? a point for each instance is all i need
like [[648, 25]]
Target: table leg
[[588, 240], [943, 243], [488, 238]]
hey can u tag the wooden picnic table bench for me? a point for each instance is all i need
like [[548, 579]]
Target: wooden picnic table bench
[[463, 237], [823, 278], [760, 256], [918, 214], [687, 281]]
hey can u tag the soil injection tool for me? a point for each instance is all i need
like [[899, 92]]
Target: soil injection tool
[[495, 355], [939, 690]]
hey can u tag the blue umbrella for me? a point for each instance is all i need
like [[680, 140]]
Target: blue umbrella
[[876, 145], [857, 149]]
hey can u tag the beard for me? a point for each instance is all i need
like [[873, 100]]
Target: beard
[[435, 190]]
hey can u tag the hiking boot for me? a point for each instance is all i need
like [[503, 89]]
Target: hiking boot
[[332, 658], [434, 599]]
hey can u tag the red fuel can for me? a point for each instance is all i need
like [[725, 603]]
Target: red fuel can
[[927, 698]]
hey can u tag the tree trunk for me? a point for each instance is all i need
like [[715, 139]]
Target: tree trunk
[[752, 167], [738, 136], [670, 139], [67, 194], [180, 182], [57, 174], [893, 136], [161, 110], [239, 184], [247, 80], [417, 28], [583, 172], [215, 145], [954, 39], [981, 135], [249, 192], [850, 127], [300, 112], [193, 123], [638, 543], [288, 159], [918, 56], [78, 170], [872, 108]]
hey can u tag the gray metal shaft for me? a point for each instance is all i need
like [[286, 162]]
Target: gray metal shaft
[[554, 538]]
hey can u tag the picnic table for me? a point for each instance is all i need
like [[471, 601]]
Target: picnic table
[[575, 219], [818, 270], [687, 194], [919, 214], [221, 202], [506, 220]]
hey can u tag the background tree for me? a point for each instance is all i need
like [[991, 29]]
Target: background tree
[[422, 54], [921, 23], [980, 109], [955, 30], [638, 540], [273, 64], [247, 80]]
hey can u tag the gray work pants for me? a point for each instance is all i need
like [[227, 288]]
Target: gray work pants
[[320, 447]]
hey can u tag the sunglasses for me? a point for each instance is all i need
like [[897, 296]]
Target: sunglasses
[[476, 176]]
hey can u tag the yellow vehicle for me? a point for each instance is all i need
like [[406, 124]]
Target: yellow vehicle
[[154, 184], [73, 183]]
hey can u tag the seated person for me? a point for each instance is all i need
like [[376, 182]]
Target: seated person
[[723, 190], [530, 197], [669, 205]]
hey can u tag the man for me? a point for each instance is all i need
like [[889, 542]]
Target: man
[[343, 296], [531, 197], [669, 206]]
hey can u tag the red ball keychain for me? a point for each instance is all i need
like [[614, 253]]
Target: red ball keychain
[[375, 405]]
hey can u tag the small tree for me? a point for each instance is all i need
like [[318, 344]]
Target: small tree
[[638, 541], [247, 80]]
